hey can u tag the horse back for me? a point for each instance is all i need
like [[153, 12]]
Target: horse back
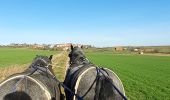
[[85, 78]]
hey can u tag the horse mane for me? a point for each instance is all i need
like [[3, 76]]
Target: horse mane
[[77, 57]]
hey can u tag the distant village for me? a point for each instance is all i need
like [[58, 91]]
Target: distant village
[[144, 49], [139, 50], [64, 46]]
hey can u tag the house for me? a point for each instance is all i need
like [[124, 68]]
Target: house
[[124, 48], [86, 46], [62, 45], [118, 49], [141, 52], [37, 46], [136, 50], [78, 45], [149, 50]]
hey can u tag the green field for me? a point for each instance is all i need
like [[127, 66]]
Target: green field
[[11, 56], [144, 77]]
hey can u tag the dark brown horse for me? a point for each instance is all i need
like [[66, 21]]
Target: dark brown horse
[[89, 81], [35, 83]]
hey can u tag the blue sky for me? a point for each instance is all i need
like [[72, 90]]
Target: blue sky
[[95, 22]]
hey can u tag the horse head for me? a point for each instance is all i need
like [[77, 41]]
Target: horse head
[[42, 62], [77, 57]]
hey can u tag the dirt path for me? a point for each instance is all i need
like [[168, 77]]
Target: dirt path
[[59, 62], [156, 54]]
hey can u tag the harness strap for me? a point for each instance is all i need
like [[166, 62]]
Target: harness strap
[[91, 85], [26, 85], [51, 75], [76, 74], [72, 93], [120, 93], [61, 95], [65, 87], [15, 86]]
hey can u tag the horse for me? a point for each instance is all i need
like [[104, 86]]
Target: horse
[[89, 81], [35, 83]]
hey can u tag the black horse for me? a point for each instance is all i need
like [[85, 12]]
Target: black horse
[[35, 83], [89, 81]]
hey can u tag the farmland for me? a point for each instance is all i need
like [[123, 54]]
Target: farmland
[[144, 77], [12, 56], [16, 60]]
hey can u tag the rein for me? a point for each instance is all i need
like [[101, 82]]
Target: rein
[[99, 72], [38, 68], [60, 83], [120, 93], [24, 77], [91, 84], [64, 86]]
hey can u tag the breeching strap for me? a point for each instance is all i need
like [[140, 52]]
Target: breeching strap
[[120, 93]]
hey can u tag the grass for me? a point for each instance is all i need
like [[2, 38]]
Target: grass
[[10, 70], [60, 62], [16, 60], [12, 56], [144, 77]]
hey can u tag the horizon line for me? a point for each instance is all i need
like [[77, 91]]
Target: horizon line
[[6, 44]]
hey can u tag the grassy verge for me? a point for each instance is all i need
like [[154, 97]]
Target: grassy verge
[[144, 77], [59, 65], [59, 62]]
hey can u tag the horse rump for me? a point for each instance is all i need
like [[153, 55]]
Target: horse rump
[[93, 85], [26, 88], [104, 89]]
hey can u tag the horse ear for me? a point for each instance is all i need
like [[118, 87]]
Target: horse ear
[[72, 47], [51, 56]]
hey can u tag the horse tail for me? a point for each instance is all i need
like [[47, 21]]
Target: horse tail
[[18, 95], [104, 90]]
